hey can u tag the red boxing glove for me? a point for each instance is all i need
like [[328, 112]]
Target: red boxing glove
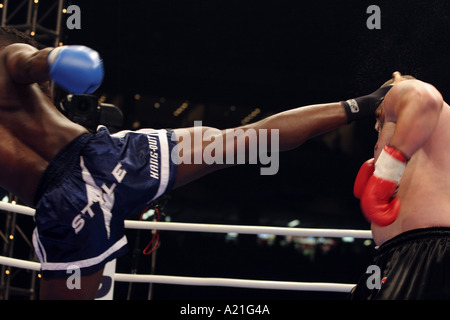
[[378, 201], [364, 173]]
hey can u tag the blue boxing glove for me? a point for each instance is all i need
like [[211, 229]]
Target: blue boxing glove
[[77, 69]]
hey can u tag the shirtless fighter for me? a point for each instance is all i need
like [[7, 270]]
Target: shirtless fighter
[[83, 185], [405, 192]]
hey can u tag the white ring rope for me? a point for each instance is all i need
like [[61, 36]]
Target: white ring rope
[[17, 263], [236, 283], [17, 208], [213, 228], [208, 282]]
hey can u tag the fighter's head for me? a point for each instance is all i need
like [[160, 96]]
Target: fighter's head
[[9, 35], [379, 113], [396, 78]]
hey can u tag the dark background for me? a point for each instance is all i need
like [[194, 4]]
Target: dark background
[[226, 58]]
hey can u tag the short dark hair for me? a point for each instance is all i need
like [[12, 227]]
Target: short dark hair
[[390, 81], [10, 35]]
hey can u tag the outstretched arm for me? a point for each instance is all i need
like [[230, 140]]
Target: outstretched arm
[[298, 125], [293, 128]]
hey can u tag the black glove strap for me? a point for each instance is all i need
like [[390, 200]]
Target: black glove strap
[[365, 106]]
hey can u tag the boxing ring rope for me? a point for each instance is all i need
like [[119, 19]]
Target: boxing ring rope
[[207, 282], [211, 228], [215, 228]]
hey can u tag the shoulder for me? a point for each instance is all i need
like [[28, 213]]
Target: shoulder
[[413, 91], [414, 85], [17, 48]]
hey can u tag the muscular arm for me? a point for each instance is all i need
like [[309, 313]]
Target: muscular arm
[[415, 110], [298, 125], [294, 128], [26, 64]]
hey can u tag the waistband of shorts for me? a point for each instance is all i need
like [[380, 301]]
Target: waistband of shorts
[[61, 165], [415, 235]]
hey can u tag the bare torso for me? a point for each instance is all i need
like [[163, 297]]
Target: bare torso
[[424, 190], [32, 132]]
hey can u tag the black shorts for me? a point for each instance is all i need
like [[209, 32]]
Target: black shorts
[[414, 265]]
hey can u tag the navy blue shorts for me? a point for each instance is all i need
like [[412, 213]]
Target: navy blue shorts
[[88, 190]]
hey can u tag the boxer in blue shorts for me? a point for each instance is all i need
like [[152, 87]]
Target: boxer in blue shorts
[[101, 174], [83, 185]]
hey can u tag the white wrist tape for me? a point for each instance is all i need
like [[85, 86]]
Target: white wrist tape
[[389, 168]]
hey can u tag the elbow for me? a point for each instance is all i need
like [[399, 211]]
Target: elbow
[[436, 102], [432, 100]]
